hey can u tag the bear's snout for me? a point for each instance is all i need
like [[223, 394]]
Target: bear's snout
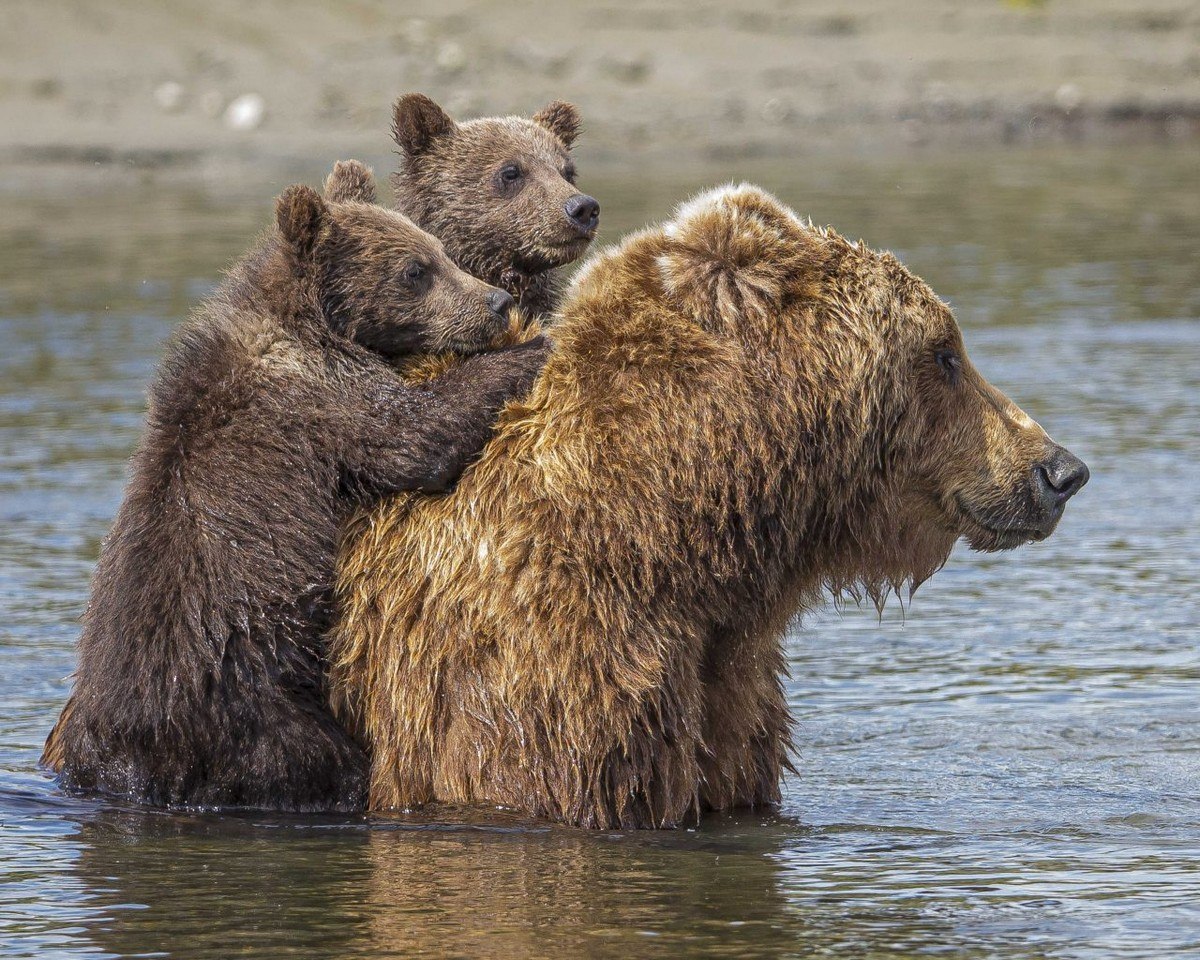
[[584, 213], [500, 302], [1056, 479]]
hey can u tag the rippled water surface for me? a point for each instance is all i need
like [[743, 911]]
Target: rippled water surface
[[1008, 768]]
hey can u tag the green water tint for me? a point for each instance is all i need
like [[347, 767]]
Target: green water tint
[[1011, 768]]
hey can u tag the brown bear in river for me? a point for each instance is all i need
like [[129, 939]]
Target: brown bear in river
[[499, 192], [276, 411], [741, 413]]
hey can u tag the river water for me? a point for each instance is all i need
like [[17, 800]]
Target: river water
[[1008, 767]]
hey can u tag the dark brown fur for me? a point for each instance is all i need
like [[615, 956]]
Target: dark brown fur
[[512, 235], [741, 413], [275, 412]]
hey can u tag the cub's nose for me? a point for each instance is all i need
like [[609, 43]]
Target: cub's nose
[[584, 212], [500, 302], [1059, 477]]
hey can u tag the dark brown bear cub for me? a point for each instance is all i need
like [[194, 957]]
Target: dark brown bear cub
[[499, 192], [276, 412]]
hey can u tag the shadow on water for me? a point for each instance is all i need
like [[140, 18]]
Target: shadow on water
[[1012, 768]]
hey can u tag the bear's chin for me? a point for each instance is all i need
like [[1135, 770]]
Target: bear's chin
[[984, 537], [550, 256]]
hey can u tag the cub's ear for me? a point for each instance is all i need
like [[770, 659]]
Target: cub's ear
[[350, 182], [561, 119], [300, 213], [417, 121]]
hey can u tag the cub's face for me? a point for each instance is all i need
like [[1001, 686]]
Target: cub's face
[[498, 192], [383, 282]]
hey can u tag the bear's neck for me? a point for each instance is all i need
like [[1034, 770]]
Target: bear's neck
[[266, 283], [536, 293]]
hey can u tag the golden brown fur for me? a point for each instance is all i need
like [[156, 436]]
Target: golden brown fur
[[741, 413]]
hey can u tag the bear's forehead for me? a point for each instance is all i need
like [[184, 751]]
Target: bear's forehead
[[914, 293], [491, 140], [374, 226]]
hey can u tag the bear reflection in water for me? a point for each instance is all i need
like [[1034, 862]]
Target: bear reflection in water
[[457, 883], [742, 414]]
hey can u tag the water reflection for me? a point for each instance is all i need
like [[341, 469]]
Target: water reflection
[[470, 884]]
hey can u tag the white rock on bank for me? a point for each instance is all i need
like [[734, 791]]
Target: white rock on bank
[[245, 112], [1068, 97], [451, 57], [169, 96]]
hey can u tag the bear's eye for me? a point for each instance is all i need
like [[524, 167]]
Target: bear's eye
[[950, 362], [510, 173], [569, 173], [414, 272]]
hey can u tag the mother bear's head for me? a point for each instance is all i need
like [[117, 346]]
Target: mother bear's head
[[910, 446], [741, 412]]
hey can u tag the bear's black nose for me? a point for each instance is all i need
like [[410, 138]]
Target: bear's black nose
[[500, 302], [1059, 477], [584, 212]]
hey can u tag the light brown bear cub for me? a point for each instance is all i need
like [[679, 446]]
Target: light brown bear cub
[[276, 412], [499, 192]]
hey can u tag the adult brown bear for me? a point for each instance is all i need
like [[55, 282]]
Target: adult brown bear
[[742, 412]]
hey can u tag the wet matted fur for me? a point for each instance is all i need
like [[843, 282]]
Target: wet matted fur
[[741, 414], [452, 181], [275, 413]]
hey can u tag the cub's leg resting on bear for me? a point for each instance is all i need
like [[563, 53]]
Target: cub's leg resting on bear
[[259, 736], [298, 752]]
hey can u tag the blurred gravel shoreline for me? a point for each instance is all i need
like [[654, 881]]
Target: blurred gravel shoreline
[[182, 86]]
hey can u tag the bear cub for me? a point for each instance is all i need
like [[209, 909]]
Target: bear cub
[[499, 192], [275, 413]]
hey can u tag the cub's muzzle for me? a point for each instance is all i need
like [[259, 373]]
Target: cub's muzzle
[[584, 213], [500, 302]]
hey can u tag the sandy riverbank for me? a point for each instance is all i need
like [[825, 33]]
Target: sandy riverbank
[[148, 84]]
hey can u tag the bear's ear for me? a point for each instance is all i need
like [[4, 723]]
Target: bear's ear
[[350, 182], [561, 119], [734, 252], [300, 212], [416, 122]]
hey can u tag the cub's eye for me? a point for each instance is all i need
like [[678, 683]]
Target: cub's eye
[[414, 272], [510, 173], [950, 362], [569, 173]]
